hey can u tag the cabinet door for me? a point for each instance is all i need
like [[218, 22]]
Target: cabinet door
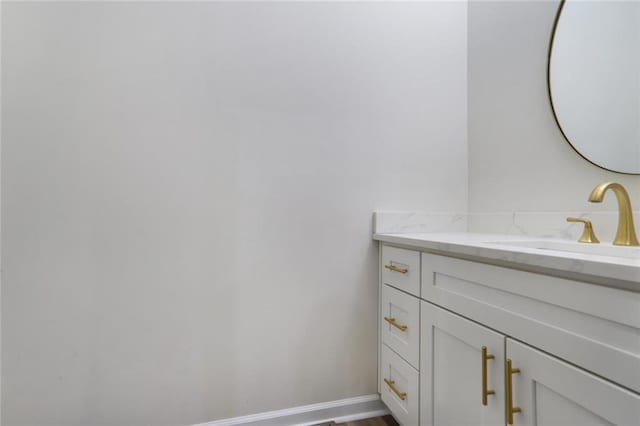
[[551, 392], [452, 371]]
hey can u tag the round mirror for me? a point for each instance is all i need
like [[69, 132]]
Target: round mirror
[[594, 81]]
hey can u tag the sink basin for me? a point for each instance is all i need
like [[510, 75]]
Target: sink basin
[[575, 247]]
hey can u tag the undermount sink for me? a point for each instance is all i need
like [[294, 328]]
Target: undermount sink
[[575, 247]]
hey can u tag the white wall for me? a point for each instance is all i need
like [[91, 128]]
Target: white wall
[[187, 192], [518, 159]]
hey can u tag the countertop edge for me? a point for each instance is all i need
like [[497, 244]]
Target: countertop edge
[[570, 266]]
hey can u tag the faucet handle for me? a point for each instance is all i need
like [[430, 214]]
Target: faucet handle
[[588, 236]]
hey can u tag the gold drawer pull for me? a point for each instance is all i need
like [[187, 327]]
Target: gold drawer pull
[[391, 384], [510, 408], [393, 322], [396, 269], [486, 392]]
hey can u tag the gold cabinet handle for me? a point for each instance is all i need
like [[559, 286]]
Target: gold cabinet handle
[[510, 408], [391, 384], [396, 269], [486, 392], [588, 236], [393, 322]]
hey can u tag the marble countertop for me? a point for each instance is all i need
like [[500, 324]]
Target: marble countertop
[[623, 272]]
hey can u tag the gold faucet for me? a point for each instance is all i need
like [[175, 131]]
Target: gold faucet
[[626, 235]]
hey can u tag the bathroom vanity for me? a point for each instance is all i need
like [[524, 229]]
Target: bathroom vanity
[[491, 330]]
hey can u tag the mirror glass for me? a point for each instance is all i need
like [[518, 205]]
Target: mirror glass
[[594, 81]]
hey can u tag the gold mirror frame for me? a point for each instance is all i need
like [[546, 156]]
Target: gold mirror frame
[[555, 115]]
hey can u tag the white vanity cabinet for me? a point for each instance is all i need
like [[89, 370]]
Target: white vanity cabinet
[[463, 381], [592, 326], [573, 346]]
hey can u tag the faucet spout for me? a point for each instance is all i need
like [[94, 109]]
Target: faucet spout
[[626, 234]]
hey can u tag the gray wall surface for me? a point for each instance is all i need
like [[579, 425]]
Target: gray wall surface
[[187, 191]]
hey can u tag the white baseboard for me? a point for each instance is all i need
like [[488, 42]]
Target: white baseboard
[[342, 410]]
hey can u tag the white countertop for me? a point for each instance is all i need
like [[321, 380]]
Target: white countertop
[[608, 270]]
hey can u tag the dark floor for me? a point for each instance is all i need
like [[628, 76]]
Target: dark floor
[[375, 421]]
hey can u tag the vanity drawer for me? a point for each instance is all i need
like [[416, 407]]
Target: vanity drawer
[[400, 324], [401, 269], [399, 387]]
